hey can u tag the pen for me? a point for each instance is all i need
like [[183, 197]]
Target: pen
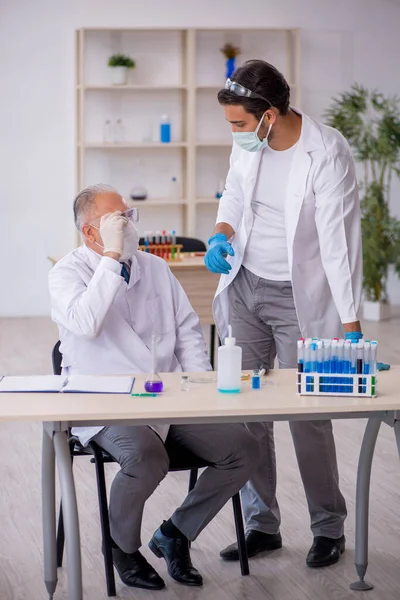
[[145, 394]]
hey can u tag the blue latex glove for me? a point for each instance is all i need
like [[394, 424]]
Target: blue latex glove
[[354, 336], [214, 259], [382, 366]]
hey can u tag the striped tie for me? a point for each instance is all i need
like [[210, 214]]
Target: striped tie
[[125, 272]]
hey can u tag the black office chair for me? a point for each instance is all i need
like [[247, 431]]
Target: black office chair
[[179, 461]]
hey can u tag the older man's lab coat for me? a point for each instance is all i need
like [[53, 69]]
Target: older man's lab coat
[[106, 325]]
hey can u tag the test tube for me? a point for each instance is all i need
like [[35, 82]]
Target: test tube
[[327, 364], [366, 368], [173, 242], [334, 364], [353, 357], [339, 382], [157, 240], [163, 253], [360, 355], [373, 365], [373, 359], [169, 242], [307, 364], [320, 361], [347, 365], [300, 362]]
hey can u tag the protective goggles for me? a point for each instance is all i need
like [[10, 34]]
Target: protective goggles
[[132, 214], [240, 90]]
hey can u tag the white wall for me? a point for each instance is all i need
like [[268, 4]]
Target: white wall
[[342, 41]]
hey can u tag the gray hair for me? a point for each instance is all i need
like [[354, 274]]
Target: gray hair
[[85, 201]]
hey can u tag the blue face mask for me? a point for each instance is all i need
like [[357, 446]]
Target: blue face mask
[[249, 140]]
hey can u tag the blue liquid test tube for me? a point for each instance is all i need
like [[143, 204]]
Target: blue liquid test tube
[[327, 364], [340, 386], [334, 365], [320, 361], [347, 365], [307, 364]]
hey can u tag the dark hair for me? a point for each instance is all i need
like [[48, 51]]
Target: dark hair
[[263, 79]]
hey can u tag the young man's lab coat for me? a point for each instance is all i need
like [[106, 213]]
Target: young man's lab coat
[[106, 325], [323, 231]]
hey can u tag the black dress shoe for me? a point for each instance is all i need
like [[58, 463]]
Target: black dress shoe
[[256, 542], [135, 571], [325, 551], [177, 556]]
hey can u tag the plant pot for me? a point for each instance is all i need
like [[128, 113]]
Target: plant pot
[[119, 75], [230, 67], [376, 311]]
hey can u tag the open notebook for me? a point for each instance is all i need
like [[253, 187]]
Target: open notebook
[[88, 384]]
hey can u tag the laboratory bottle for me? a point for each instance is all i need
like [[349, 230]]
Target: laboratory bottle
[[174, 192], [229, 366], [165, 129], [119, 132], [107, 132]]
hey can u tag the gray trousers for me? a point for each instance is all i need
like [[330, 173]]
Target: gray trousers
[[231, 449], [264, 323]]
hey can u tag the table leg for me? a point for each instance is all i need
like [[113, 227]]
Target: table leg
[[49, 514], [396, 427], [70, 515], [362, 503]]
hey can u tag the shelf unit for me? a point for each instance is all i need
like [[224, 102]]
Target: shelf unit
[[178, 72]]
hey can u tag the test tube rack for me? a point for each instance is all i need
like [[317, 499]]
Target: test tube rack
[[329, 384], [169, 252]]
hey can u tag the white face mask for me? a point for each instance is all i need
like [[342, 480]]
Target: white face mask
[[249, 140], [131, 241]]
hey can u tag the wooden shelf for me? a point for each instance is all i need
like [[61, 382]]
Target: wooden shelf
[[132, 88], [215, 143], [138, 145], [191, 57], [209, 200], [154, 202]]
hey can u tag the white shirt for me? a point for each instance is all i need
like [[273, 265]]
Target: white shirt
[[106, 325], [266, 252]]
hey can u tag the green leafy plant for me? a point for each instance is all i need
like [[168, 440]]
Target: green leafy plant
[[230, 51], [371, 124], [121, 60]]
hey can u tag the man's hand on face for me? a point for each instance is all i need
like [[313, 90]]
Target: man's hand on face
[[112, 227]]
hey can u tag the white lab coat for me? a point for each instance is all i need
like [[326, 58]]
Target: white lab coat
[[106, 326], [322, 219]]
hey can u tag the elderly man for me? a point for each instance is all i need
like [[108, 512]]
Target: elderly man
[[108, 300]]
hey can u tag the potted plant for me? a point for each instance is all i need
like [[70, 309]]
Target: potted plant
[[231, 53], [371, 124], [119, 65]]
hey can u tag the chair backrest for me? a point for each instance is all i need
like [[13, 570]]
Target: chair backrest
[[189, 244], [56, 358]]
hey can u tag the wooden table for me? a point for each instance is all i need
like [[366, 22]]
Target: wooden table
[[277, 400]]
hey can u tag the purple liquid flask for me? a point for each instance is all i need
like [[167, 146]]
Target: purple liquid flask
[[154, 384]]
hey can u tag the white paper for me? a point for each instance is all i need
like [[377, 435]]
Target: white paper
[[33, 383], [99, 384]]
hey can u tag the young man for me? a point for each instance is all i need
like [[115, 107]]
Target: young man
[[288, 245], [108, 300]]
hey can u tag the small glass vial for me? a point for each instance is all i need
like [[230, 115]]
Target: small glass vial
[[256, 380], [119, 132], [107, 133], [185, 383]]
